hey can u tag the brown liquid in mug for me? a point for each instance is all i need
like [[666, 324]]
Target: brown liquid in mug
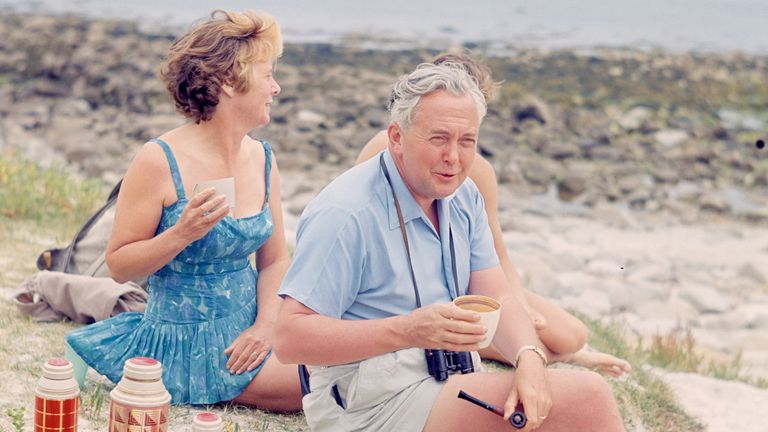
[[476, 307]]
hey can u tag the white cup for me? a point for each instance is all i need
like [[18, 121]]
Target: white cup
[[224, 186], [489, 310]]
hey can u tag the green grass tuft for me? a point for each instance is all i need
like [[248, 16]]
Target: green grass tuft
[[17, 417], [642, 395], [51, 197]]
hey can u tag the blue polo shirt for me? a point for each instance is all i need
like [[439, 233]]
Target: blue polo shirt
[[350, 261]]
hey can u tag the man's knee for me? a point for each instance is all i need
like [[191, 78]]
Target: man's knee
[[597, 385]]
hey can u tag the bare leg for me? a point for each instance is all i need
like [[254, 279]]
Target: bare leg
[[564, 332], [564, 337], [275, 388], [581, 401], [599, 362]]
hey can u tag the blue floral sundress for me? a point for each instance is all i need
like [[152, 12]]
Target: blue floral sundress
[[198, 304]]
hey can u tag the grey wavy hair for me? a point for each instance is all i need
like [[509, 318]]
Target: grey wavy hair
[[428, 78]]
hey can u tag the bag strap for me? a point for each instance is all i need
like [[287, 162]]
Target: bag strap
[[49, 259], [405, 241]]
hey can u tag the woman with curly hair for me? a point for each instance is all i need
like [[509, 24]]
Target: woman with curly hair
[[210, 314]]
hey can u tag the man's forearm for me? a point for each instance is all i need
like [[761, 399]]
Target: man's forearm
[[319, 340], [514, 330]]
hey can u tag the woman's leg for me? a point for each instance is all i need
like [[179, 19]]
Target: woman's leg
[[275, 388], [563, 334], [581, 401], [564, 337]]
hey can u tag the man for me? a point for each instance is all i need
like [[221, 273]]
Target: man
[[365, 298]]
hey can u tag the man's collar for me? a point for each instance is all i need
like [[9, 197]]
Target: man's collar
[[408, 205]]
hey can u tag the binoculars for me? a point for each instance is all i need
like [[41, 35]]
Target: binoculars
[[441, 362]]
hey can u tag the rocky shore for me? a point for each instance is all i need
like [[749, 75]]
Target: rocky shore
[[631, 185], [656, 132]]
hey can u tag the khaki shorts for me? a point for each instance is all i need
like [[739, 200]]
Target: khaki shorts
[[390, 392]]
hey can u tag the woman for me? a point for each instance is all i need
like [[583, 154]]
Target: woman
[[562, 334], [210, 316]]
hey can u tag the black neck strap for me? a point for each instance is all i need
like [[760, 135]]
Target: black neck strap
[[405, 241]]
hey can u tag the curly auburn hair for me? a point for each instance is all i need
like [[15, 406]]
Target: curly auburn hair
[[475, 68], [219, 51]]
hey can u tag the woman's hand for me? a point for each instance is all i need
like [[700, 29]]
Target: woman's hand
[[249, 349], [538, 320], [530, 387], [200, 215], [444, 326]]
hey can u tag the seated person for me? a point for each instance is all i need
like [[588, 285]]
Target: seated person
[[210, 316], [563, 335], [381, 252]]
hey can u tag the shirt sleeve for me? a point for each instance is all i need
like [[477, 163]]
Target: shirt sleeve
[[483, 253], [327, 267]]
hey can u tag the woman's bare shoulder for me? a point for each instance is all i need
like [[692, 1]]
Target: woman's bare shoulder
[[483, 174], [150, 157], [378, 143]]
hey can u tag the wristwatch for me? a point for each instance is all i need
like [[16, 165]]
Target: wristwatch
[[534, 348]]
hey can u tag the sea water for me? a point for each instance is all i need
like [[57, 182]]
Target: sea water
[[676, 25]]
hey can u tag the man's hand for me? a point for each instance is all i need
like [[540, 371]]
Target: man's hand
[[530, 387], [249, 349], [444, 326]]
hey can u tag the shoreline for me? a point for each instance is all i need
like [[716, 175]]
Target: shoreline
[[439, 38]]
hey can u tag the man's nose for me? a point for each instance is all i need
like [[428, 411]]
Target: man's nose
[[451, 153]]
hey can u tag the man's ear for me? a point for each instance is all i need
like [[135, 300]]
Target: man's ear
[[395, 135], [228, 90]]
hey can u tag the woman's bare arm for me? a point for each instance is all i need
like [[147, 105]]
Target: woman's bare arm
[[133, 249]]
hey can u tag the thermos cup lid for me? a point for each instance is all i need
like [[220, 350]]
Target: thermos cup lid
[[142, 384], [143, 369], [57, 381], [58, 369], [207, 422]]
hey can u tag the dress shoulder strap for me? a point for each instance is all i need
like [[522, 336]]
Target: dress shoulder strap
[[175, 168], [267, 169]]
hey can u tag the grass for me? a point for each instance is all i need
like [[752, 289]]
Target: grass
[[16, 415], [643, 395], [47, 196], [677, 351]]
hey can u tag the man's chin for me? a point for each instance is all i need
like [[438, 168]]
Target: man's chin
[[444, 191]]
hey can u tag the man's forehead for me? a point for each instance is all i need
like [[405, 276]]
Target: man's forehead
[[443, 112]]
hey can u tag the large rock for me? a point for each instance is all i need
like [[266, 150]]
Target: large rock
[[573, 184], [670, 137], [636, 118], [532, 108]]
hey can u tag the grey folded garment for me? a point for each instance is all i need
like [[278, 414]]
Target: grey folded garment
[[53, 296]]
